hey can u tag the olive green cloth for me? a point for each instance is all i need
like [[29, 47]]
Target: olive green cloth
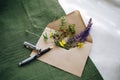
[[25, 20]]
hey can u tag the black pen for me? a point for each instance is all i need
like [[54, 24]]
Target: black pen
[[33, 57]]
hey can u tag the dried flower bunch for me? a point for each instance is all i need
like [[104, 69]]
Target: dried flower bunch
[[65, 36]]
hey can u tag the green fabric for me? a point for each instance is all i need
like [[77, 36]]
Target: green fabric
[[17, 17]]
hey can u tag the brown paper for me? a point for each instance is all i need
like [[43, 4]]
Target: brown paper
[[73, 60]]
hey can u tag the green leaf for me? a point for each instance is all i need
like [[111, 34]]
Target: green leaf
[[45, 36], [63, 23], [71, 28]]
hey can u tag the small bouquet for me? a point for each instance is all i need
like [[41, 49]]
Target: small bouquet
[[66, 36]]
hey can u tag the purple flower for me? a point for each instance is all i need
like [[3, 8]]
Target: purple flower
[[82, 36]]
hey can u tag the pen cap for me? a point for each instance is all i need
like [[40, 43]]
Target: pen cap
[[31, 46]]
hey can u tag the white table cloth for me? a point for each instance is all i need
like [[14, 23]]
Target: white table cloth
[[105, 32]]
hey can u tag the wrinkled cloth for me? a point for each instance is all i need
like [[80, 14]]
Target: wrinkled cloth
[[18, 18]]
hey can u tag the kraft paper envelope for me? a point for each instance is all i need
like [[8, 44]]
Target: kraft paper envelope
[[73, 60]]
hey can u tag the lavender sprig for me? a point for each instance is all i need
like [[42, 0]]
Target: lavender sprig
[[81, 37]]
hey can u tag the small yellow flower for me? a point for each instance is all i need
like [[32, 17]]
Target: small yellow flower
[[51, 34], [79, 45], [62, 43]]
